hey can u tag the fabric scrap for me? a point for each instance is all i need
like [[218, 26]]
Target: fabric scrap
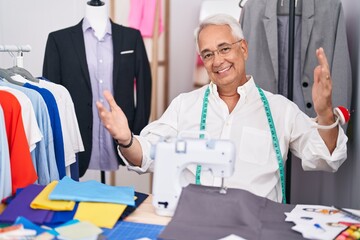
[[103, 215], [92, 191], [20, 206], [42, 200]]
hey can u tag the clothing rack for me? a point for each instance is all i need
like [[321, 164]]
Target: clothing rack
[[20, 49]]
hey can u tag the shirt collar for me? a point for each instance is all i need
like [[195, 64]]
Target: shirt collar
[[243, 90], [86, 25]]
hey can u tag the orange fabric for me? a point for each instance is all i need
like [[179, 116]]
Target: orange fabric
[[22, 169]]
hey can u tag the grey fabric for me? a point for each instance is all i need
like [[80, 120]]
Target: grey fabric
[[283, 52], [322, 25], [204, 213]]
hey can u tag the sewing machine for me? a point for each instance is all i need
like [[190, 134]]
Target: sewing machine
[[172, 156]]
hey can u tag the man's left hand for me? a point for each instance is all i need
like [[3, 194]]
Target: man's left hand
[[322, 88]]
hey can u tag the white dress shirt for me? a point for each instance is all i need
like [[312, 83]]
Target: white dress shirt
[[256, 168]]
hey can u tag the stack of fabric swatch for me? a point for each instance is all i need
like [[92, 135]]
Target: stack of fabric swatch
[[68, 202]]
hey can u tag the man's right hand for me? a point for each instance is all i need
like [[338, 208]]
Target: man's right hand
[[114, 119]]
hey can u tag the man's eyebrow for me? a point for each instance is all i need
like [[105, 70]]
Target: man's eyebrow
[[219, 45]]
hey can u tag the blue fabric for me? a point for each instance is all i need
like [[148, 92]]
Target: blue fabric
[[74, 169], [55, 125], [30, 225], [92, 191], [60, 217]]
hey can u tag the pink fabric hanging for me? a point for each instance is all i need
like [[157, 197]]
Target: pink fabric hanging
[[142, 16]]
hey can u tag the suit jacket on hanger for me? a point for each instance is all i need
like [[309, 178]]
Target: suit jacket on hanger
[[323, 25], [65, 63]]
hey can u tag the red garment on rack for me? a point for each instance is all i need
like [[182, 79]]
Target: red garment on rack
[[22, 169]]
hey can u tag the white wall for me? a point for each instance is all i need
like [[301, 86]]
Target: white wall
[[25, 22], [184, 17]]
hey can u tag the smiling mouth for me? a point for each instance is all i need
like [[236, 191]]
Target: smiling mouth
[[223, 70]]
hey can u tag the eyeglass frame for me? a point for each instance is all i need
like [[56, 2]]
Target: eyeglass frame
[[218, 50]]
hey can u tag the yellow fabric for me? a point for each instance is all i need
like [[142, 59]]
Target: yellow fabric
[[42, 200], [99, 213]]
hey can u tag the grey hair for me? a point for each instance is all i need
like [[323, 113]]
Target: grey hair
[[219, 19]]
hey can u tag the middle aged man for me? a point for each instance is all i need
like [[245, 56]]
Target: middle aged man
[[232, 107]]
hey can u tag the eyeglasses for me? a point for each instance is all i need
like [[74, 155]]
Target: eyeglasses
[[222, 50]]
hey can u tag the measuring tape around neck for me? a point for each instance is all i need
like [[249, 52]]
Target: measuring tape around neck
[[202, 128], [272, 130], [275, 142]]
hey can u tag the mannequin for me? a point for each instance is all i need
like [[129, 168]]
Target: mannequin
[[97, 15], [93, 55]]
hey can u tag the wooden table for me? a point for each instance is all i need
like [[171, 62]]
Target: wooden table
[[145, 213]]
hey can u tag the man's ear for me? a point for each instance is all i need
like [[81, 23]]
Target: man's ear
[[244, 48]]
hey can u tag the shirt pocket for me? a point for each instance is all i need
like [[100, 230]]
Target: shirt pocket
[[255, 146]]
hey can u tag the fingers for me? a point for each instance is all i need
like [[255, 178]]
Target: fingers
[[101, 108], [323, 64], [110, 99], [320, 54]]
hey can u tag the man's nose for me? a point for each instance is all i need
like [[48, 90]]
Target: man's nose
[[218, 59]]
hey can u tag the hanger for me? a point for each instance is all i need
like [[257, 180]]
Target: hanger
[[283, 7], [24, 73], [95, 3], [242, 3], [6, 74]]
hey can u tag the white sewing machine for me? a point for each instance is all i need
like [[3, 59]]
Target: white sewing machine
[[172, 156]]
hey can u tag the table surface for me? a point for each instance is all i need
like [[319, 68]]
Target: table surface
[[145, 213]]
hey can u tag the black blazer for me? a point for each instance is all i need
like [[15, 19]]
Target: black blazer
[[65, 63]]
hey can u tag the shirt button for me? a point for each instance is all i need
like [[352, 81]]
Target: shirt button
[[100, 61], [100, 81]]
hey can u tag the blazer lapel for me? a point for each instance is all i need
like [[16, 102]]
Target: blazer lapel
[[79, 46], [270, 26], [308, 13], [117, 37]]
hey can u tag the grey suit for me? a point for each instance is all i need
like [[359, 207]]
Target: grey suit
[[322, 25]]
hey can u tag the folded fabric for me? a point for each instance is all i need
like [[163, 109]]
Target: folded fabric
[[30, 225], [20, 206], [60, 217], [42, 200], [104, 215], [92, 191], [79, 230], [18, 233]]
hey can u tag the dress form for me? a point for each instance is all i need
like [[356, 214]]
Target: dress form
[[97, 17]]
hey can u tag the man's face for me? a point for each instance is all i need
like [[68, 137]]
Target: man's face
[[228, 67]]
